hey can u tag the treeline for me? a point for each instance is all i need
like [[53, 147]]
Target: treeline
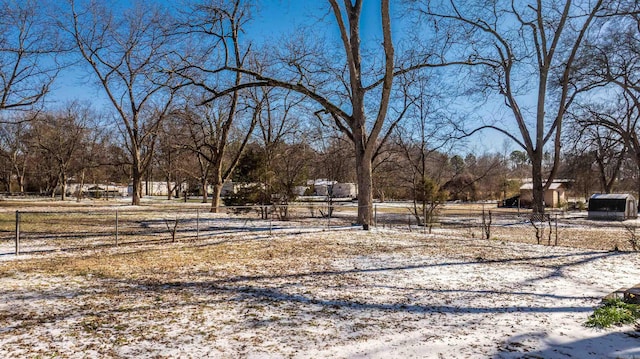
[[43, 152]]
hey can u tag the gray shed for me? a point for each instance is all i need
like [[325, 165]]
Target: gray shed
[[612, 206]]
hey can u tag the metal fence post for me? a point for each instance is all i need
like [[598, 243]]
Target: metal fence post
[[116, 227], [17, 232], [556, 229], [197, 223], [375, 215]]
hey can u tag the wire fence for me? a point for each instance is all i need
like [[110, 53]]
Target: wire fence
[[43, 231]]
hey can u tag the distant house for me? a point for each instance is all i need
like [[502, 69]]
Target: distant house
[[103, 192], [95, 190], [152, 188], [345, 190], [553, 197], [300, 190], [324, 187], [612, 206], [321, 187], [229, 188]]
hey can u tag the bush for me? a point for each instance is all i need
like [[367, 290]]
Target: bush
[[245, 196], [563, 205], [614, 312]]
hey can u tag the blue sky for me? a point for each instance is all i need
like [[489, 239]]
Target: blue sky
[[276, 18]]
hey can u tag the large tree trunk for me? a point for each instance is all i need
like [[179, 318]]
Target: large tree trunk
[[136, 182], [216, 183], [637, 158], [604, 184], [7, 182], [538, 186], [215, 197], [63, 185], [169, 188], [205, 191], [20, 179], [365, 185]]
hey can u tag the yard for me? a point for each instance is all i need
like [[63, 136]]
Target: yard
[[345, 293]]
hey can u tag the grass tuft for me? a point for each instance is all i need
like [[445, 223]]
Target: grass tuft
[[614, 312]]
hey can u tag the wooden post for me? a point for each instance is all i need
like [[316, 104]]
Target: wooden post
[[17, 232]]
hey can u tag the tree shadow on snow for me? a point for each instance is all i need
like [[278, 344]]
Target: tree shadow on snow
[[274, 289], [608, 345]]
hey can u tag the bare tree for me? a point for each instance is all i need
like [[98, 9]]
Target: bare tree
[[353, 95], [15, 149], [197, 141], [60, 137], [420, 139], [214, 137], [524, 49], [29, 46], [595, 147], [278, 124], [624, 120], [93, 160], [612, 65], [128, 53], [216, 26], [610, 153], [334, 160], [171, 157]]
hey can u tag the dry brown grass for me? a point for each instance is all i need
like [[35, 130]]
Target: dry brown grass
[[68, 222], [178, 260], [236, 292], [239, 256]]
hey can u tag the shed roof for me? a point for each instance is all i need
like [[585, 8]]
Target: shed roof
[[612, 196], [554, 185]]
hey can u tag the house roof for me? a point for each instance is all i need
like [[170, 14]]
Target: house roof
[[554, 185], [611, 196], [321, 182]]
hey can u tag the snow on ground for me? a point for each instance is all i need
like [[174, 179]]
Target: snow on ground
[[339, 294]]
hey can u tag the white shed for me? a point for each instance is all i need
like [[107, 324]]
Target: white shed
[[345, 190]]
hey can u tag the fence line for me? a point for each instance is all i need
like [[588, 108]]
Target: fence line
[[36, 231], [17, 232], [54, 230]]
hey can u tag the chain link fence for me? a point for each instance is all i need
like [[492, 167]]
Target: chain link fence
[[42, 231]]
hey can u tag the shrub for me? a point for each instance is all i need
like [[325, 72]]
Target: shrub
[[245, 196], [614, 312]]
